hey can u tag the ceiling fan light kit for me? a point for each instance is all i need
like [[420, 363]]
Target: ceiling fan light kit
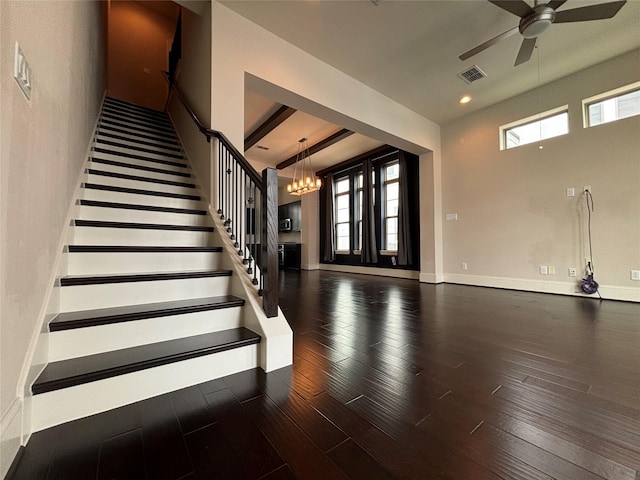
[[534, 21]]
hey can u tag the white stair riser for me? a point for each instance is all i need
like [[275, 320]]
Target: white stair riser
[[89, 297], [120, 197], [138, 162], [128, 236], [81, 263], [87, 212], [129, 146], [136, 119], [139, 184], [137, 125], [141, 173], [64, 405], [136, 128], [79, 342], [104, 132], [156, 154]]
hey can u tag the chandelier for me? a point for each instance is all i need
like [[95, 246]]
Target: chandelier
[[306, 182]]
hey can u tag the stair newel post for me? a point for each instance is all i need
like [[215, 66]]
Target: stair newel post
[[252, 241], [269, 256]]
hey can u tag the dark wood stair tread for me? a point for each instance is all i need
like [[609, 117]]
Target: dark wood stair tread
[[156, 124], [140, 191], [141, 226], [129, 146], [75, 280], [135, 206], [123, 123], [137, 178], [107, 316], [133, 106], [115, 163], [77, 371], [113, 128], [171, 147], [144, 158], [139, 249]]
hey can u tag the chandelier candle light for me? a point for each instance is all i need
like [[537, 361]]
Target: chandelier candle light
[[305, 183]]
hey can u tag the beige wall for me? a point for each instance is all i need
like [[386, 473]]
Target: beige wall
[[513, 213], [43, 146], [194, 82], [245, 54], [139, 40]]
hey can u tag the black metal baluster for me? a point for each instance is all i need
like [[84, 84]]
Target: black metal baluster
[[220, 178]]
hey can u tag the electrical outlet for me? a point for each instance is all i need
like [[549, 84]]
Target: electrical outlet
[[544, 270], [635, 274], [587, 188], [573, 272], [571, 192], [451, 216], [551, 270], [464, 266]]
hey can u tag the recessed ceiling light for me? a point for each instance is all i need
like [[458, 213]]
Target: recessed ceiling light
[[465, 99]]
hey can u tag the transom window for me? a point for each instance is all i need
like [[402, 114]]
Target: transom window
[[535, 128], [614, 105]]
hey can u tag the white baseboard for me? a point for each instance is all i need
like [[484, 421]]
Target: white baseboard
[[431, 278], [383, 272], [609, 292], [10, 434], [38, 350]]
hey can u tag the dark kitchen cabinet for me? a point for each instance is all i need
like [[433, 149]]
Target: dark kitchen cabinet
[[292, 211], [292, 255]]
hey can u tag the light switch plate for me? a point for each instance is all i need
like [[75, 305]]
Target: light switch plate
[[22, 72]]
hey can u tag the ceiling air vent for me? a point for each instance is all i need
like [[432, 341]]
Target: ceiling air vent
[[472, 74]]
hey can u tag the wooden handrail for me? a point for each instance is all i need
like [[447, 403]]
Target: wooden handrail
[[207, 132]]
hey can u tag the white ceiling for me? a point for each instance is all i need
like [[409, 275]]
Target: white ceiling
[[408, 51]]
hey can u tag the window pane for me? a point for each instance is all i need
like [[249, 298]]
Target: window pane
[[392, 242], [343, 230], [392, 191], [343, 215], [537, 130], [392, 171], [615, 108], [343, 243], [392, 208], [359, 243], [342, 201], [342, 186], [392, 225]]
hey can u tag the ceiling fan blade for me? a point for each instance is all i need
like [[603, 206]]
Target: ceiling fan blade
[[487, 44], [526, 50], [517, 7], [556, 3], [591, 12]]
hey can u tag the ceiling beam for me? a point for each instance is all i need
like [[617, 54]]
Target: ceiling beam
[[268, 126], [321, 145]]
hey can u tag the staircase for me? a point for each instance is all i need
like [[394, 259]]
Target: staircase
[[145, 307]]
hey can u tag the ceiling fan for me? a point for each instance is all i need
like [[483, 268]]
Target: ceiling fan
[[535, 20]]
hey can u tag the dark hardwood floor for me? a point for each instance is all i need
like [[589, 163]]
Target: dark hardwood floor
[[391, 379]]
